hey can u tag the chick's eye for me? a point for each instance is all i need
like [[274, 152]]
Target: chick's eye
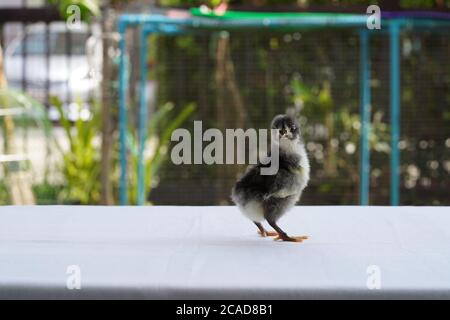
[[293, 128]]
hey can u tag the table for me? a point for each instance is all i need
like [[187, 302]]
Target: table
[[168, 252]]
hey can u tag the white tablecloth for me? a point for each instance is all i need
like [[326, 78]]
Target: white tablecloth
[[214, 252]]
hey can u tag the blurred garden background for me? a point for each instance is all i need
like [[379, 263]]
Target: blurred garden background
[[58, 102]]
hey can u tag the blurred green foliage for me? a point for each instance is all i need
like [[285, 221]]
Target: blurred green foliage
[[35, 113], [32, 115], [88, 8], [4, 195], [48, 193], [333, 151], [213, 3], [81, 162], [161, 125], [92, 7]]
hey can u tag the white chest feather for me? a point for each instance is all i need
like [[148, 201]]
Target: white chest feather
[[295, 147]]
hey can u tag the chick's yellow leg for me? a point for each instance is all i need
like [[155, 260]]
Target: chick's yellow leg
[[266, 233], [263, 232], [290, 239], [282, 236]]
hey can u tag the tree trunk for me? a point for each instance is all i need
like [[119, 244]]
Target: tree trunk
[[221, 115], [230, 109], [107, 104]]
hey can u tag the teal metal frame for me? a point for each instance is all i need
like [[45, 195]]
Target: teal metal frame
[[394, 52], [153, 23], [123, 116], [142, 121], [364, 67]]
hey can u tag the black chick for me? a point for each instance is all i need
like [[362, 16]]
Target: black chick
[[268, 197]]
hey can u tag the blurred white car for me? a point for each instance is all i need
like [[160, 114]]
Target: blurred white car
[[72, 78]]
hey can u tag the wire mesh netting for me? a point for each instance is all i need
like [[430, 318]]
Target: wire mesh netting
[[242, 79]]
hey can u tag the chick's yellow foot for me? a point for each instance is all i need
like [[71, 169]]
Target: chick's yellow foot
[[290, 239], [267, 233]]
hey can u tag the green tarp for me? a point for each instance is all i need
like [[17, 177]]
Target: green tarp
[[268, 15]]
